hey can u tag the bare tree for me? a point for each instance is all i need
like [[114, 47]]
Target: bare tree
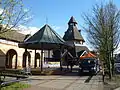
[[12, 14], [103, 30]]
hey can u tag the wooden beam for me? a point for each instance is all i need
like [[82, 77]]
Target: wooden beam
[[48, 53], [41, 60], [60, 58], [35, 63]]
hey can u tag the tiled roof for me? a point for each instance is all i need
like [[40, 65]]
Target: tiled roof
[[45, 35], [72, 20], [13, 35], [72, 34], [46, 38], [81, 48]]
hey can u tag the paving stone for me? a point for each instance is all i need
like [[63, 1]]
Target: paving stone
[[65, 83], [54, 84]]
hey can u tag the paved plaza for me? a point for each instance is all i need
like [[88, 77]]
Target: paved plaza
[[69, 81]]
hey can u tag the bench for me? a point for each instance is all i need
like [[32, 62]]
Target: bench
[[15, 73], [9, 73]]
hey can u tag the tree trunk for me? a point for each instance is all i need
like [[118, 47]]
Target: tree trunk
[[112, 62], [110, 69]]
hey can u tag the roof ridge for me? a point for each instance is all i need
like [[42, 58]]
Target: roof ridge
[[50, 33], [45, 35], [57, 35]]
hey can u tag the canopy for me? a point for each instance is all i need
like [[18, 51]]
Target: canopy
[[88, 55], [46, 39]]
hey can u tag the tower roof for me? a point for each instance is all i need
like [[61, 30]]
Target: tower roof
[[72, 20], [72, 32]]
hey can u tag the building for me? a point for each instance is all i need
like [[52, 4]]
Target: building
[[45, 39], [74, 38], [11, 56]]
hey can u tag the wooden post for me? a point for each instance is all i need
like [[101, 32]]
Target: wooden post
[[67, 61], [41, 60], [35, 60], [25, 49], [60, 58], [48, 53], [48, 56]]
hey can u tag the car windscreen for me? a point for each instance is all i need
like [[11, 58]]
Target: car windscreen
[[87, 61]]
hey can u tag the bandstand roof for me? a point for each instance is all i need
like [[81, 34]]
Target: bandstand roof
[[46, 38]]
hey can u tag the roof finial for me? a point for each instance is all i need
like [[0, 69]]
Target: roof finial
[[72, 20], [46, 20]]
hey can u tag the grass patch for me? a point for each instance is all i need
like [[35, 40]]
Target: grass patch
[[16, 86]]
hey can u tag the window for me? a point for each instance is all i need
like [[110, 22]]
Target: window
[[72, 24]]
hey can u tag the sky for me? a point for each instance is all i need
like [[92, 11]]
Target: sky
[[57, 13]]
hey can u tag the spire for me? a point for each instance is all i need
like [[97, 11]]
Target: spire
[[72, 32], [72, 20]]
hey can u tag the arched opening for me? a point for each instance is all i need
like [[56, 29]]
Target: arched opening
[[11, 59], [26, 59], [37, 60]]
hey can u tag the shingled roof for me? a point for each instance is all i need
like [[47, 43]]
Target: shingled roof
[[13, 35], [45, 35], [72, 32], [80, 48], [46, 38], [72, 20]]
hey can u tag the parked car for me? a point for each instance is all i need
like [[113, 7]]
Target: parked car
[[89, 65], [117, 67]]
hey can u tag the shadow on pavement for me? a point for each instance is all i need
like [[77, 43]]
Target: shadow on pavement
[[88, 79]]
